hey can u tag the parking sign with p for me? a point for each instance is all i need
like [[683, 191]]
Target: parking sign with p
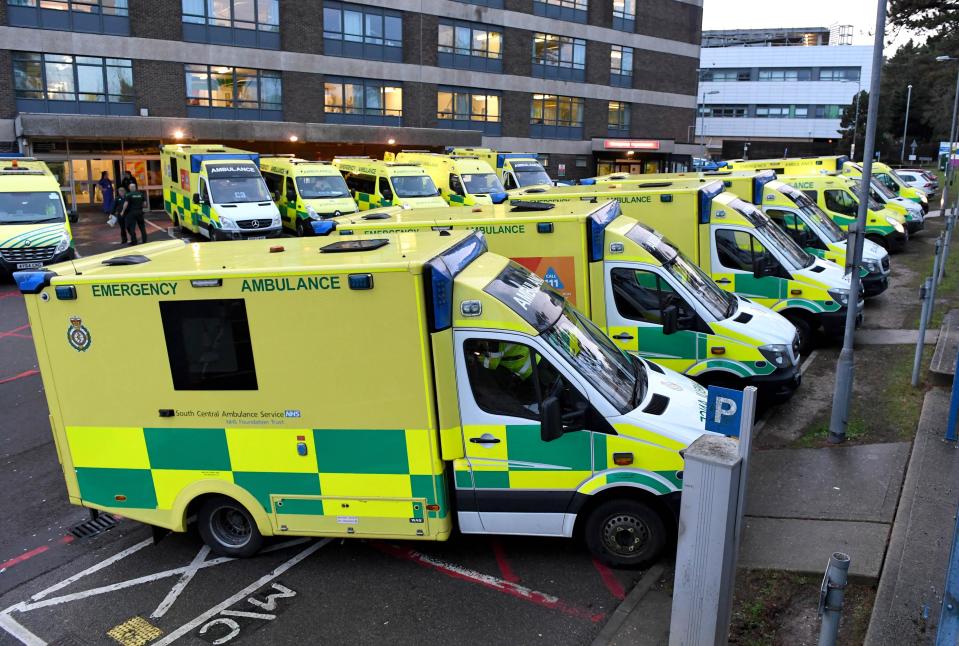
[[724, 410]]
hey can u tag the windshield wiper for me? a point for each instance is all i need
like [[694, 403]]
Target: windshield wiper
[[37, 221]]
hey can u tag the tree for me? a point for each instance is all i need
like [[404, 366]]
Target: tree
[[927, 17], [848, 122]]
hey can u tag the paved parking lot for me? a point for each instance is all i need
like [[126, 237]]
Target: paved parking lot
[[118, 587]]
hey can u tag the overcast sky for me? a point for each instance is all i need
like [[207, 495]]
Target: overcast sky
[[751, 14]]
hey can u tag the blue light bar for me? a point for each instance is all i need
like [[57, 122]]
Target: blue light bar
[[588, 181], [498, 198], [439, 274], [706, 195], [841, 161], [33, 282], [759, 182], [197, 160], [596, 228], [323, 227]]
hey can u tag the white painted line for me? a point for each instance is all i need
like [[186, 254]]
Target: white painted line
[[155, 226], [122, 585], [249, 615], [250, 589], [180, 585], [18, 631], [285, 544], [90, 570], [808, 361]]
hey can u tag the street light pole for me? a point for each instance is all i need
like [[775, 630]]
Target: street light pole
[[905, 128], [952, 129], [844, 367], [702, 122], [855, 125]]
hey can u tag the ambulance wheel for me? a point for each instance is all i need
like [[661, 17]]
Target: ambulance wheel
[[228, 528], [625, 533], [301, 228], [804, 330]]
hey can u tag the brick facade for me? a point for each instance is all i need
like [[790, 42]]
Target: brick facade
[[597, 63], [8, 106], [303, 97], [660, 122], [669, 19], [420, 37], [419, 105], [301, 27], [160, 87], [155, 19], [649, 68], [518, 52], [516, 109]]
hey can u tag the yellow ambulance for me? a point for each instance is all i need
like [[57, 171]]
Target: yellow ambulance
[[735, 243], [515, 170], [886, 176], [912, 213], [376, 183], [791, 165], [34, 222], [630, 281], [463, 180], [487, 395], [217, 192], [305, 191]]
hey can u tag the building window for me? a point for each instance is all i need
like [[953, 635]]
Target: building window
[[559, 57], [469, 109], [723, 111], [618, 119], [785, 75], [556, 117], [621, 66], [362, 32], [495, 4], [573, 10], [839, 74], [363, 101], [782, 111], [94, 16], [217, 92], [624, 15], [246, 23], [462, 45], [72, 84], [724, 75], [829, 111]]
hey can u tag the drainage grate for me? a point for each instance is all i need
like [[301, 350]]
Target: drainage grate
[[94, 526]]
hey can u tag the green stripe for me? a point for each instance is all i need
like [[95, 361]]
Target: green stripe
[[102, 486], [187, 448], [361, 451]]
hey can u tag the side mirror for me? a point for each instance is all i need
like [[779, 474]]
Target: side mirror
[[551, 420], [196, 199], [763, 267], [73, 215], [291, 196], [670, 319]]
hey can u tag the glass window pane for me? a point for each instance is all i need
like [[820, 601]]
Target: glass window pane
[[374, 99], [333, 97], [353, 26], [197, 85], [374, 29], [478, 107], [444, 105], [221, 87], [268, 12], [244, 10], [492, 108], [120, 83], [332, 23], [494, 44], [353, 98], [393, 101], [271, 91], [461, 106], [90, 83], [28, 78], [393, 31], [463, 38], [246, 88], [193, 11], [445, 38], [60, 83], [218, 12]]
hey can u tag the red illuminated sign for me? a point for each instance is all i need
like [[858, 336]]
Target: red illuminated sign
[[631, 144]]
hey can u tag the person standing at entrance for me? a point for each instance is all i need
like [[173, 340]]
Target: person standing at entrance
[[133, 213], [118, 211], [126, 180], [106, 191]]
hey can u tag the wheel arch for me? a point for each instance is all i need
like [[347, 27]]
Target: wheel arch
[[630, 491], [193, 495]]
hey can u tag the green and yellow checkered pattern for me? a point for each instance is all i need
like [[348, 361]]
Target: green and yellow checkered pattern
[[366, 201], [181, 204]]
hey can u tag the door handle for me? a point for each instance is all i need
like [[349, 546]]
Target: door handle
[[485, 438], [723, 281], [623, 336]]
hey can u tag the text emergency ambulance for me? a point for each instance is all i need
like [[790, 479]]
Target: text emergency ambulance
[[34, 227], [305, 191], [798, 216], [515, 170], [912, 213], [835, 196], [791, 165], [377, 183], [462, 180], [886, 176], [636, 286], [217, 192], [735, 243], [453, 381]]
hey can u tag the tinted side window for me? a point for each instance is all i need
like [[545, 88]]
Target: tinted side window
[[385, 191], [274, 182], [361, 183], [812, 195], [637, 295], [738, 249], [509, 183], [455, 185], [208, 344], [840, 202]]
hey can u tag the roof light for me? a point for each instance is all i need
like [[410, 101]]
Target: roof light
[[294, 138], [178, 134], [207, 282], [596, 226], [361, 281], [278, 248], [439, 274], [706, 195]]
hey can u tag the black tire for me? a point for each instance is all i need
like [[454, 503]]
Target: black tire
[[625, 533], [228, 528], [805, 330], [300, 229]]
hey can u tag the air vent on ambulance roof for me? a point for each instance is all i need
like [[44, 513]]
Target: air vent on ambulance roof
[[657, 405], [131, 259], [817, 269], [745, 317], [347, 246], [532, 206], [377, 216], [655, 184], [655, 367]]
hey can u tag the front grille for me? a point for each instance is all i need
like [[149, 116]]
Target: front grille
[[28, 254], [254, 224], [885, 264]]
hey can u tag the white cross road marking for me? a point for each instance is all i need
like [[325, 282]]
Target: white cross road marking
[[90, 570], [180, 585]]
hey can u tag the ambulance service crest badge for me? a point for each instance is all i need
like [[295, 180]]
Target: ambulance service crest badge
[[78, 335]]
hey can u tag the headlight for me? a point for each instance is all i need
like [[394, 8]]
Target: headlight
[[840, 295], [871, 266], [63, 245], [776, 354], [227, 223], [276, 221], [895, 224], [923, 198], [312, 213]]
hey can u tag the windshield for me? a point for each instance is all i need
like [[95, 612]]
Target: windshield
[[236, 190], [775, 236], [720, 304], [893, 181], [318, 187], [882, 189], [477, 183], [857, 191], [816, 217], [413, 186], [532, 178], [30, 208]]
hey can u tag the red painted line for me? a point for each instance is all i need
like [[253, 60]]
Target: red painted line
[[23, 557], [504, 567], [15, 332], [491, 582], [27, 373], [9, 294], [610, 581]]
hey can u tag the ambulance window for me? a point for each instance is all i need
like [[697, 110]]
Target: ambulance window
[[385, 191], [208, 344], [274, 182], [812, 195], [456, 186], [204, 194], [174, 177], [739, 250], [841, 202], [512, 379], [637, 295], [509, 183]]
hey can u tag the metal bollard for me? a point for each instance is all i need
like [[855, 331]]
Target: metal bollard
[[831, 595], [950, 225], [923, 319], [936, 264]]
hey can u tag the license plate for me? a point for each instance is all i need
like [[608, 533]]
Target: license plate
[[29, 265], [257, 238]]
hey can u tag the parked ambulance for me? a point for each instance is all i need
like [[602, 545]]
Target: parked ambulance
[[217, 192], [630, 281], [836, 197], [463, 180], [454, 381], [376, 183], [34, 226], [912, 213], [792, 165], [515, 170], [305, 191], [886, 176], [736, 244]]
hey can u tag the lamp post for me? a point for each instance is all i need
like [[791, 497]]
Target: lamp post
[[950, 220], [855, 124], [905, 128], [702, 122]]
